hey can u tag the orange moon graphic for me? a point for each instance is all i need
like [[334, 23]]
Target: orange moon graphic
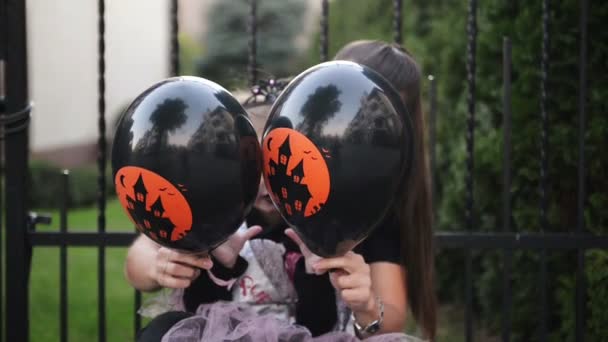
[[156, 207], [295, 171]]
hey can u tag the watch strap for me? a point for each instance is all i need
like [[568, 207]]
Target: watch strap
[[372, 327]]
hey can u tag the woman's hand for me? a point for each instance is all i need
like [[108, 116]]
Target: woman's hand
[[309, 257], [351, 276], [228, 252], [177, 270]]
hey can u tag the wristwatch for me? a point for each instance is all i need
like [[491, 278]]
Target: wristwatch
[[372, 327]]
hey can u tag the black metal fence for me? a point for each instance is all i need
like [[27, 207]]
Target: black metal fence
[[20, 227]]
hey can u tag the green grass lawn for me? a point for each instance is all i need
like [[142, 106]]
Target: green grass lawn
[[82, 287], [82, 283]]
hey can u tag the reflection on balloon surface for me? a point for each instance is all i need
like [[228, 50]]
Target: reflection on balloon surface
[[337, 145], [186, 163]]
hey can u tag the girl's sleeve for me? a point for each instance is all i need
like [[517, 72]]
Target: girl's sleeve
[[316, 306], [204, 290]]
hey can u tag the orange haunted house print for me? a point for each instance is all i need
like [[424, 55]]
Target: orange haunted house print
[[152, 220], [167, 218], [296, 173]]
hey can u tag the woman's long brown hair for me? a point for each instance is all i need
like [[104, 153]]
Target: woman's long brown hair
[[414, 207]]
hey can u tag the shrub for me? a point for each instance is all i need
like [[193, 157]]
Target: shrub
[[435, 32], [45, 185], [226, 50]]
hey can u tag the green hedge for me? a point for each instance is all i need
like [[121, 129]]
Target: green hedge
[[225, 57], [435, 32], [45, 185]]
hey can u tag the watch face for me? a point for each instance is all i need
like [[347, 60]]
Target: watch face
[[373, 327]]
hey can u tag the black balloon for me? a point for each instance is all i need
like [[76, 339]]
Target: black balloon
[[337, 145], [186, 163]]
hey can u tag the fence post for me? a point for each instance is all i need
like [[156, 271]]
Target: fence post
[[15, 121], [470, 158], [397, 22], [324, 37], [544, 165], [252, 28], [506, 192], [579, 322], [433, 140], [101, 164], [2, 111], [175, 65]]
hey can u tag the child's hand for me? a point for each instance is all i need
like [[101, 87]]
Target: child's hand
[[178, 270], [228, 252], [309, 257], [351, 276]]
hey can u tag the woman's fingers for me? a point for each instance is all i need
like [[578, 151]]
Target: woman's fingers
[[195, 260], [174, 283], [175, 276], [350, 281], [181, 271], [336, 274], [351, 276], [356, 298], [198, 261], [350, 262], [178, 270]]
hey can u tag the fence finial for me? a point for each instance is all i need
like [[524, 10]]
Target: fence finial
[[397, 21], [174, 39], [253, 71], [324, 37]]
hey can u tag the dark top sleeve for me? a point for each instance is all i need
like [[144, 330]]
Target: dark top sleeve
[[203, 290], [316, 306], [383, 244]]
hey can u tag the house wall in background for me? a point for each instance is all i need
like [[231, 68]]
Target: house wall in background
[[62, 60]]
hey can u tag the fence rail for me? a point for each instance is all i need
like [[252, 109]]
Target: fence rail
[[448, 240]]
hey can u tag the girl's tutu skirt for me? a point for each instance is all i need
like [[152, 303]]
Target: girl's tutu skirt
[[228, 321]]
